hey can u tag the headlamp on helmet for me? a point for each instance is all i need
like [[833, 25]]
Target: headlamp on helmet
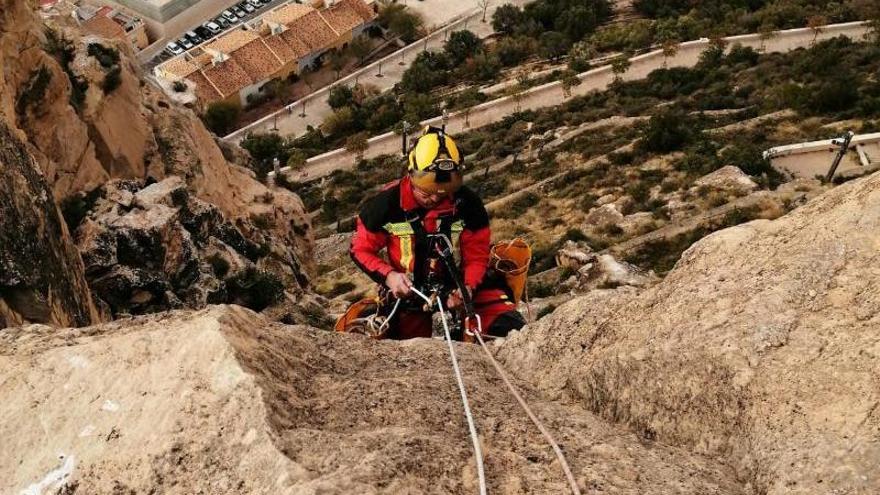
[[435, 163]]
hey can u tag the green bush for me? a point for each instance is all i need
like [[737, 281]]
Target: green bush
[[462, 45], [107, 56], [254, 289], [221, 116], [34, 91], [668, 130], [112, 80]]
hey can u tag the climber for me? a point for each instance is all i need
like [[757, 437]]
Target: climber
[[431, 199]]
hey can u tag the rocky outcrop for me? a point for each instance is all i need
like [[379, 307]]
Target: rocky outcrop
[[728, 179], [588, 270], [760, 346], [225, 401], [84, 131], [41, 275], [148, 248]]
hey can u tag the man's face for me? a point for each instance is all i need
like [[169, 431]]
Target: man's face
[[426, 199]]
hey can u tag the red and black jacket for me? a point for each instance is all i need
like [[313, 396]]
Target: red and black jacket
[[386, 221]]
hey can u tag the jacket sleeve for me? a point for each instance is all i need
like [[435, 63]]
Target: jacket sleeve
[[475, 238], [364, 251], [474, 254]]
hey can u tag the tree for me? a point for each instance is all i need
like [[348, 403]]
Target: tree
[[766, 32], [569, 81], [553, 45], [468, 99], [507, 18], [580, 55], [357, 145], [483, 4], [511, 50], [402, 22], [670, 48], [338, 60], [221, 116], [427, 71], [339, 122], [481, 67], [619, 66], [667, 131], [816, 23], [297, 159], [462, 45], [360, 46], [340, 96]]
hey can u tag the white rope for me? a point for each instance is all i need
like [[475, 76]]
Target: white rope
[[565, 467], [388, 319], [559, 454], [467, 409]]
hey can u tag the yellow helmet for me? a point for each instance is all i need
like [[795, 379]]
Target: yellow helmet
[[435, 163]]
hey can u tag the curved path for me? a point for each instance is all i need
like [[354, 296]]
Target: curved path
[[598, 79]]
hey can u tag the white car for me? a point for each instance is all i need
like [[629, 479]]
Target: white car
[[173, 48], [213, 27], [255, 3], [229, 16]]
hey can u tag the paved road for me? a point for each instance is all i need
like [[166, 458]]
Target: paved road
[[313, 109], [596, 79]]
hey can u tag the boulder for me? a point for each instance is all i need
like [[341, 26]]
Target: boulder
[[607, 214], [728, 179], [760, 347]]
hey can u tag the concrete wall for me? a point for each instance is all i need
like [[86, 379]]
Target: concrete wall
[[597, 79], [815, 157]]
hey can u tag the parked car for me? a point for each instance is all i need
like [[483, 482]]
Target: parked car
[[213, 27], [204, 33], [255, 3], [246, 7], [240, 13], [193, 37], [221, 21], [173, 48], [229, 16], [185, 43]]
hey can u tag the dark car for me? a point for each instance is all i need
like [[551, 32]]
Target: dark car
[[193, 37], [204, 33]]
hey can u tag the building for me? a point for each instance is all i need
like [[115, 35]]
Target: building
[[236, 65], [812, 159], [111, 23]]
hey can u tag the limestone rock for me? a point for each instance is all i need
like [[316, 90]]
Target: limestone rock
[[728, 179], [156, 247], [760, 346], [604, 215], [41, 274], [224, 401]]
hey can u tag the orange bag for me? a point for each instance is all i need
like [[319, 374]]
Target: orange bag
[[361, 318], [512, 259]]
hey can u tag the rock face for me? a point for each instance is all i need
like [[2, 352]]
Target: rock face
[[41, 274], [157, 247], [224, 401], [82, 132], [761, 346], [729, 179], [592, 271]]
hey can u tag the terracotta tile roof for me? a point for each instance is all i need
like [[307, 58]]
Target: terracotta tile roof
[[231, 41], [228, 77], [287, 13], [365, 11], [179, 66], [201, 59], [104, 27], [314, 31], [257, 60], [342, 17], [205, 92], [295, 43], [281, 48]]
